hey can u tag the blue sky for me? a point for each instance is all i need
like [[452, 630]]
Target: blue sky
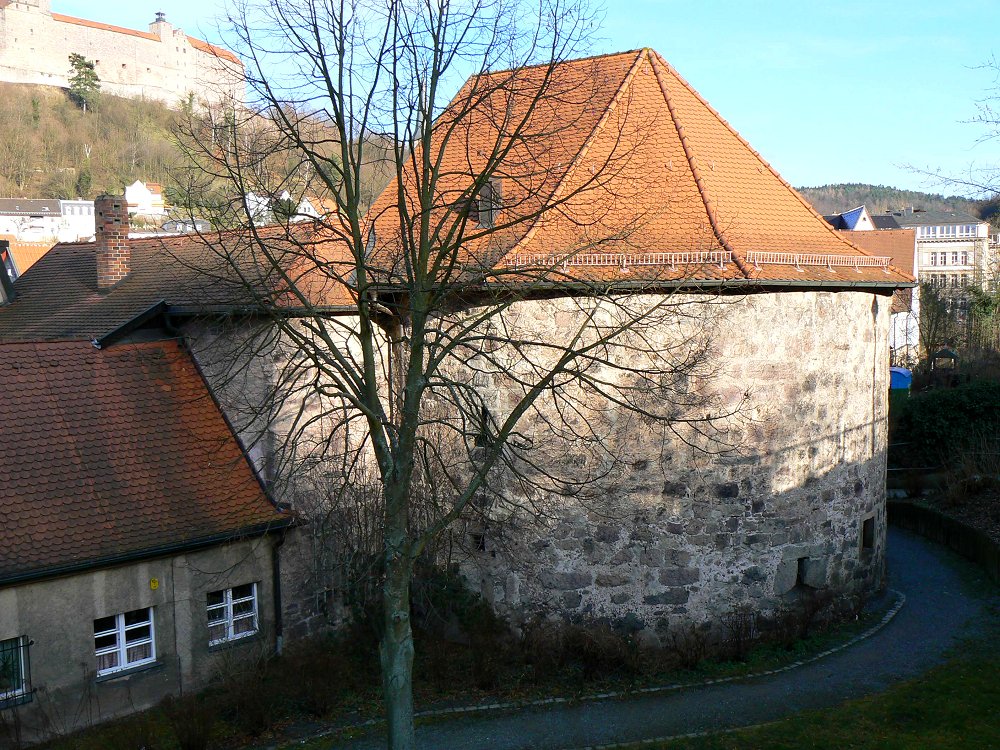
[[827, 92]]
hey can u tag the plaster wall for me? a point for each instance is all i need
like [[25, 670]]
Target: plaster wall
[[58, 614]]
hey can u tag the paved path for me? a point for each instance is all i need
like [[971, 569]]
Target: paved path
[[938, 611]]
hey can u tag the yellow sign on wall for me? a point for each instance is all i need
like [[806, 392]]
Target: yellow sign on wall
[[154, 583]]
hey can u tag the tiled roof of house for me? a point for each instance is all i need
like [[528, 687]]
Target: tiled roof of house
[[112, 454], [646, 182], [214, 50], [884, 221], [898, 244], [104, 26], [59, 299], [26, 254], [920, 218], [30, 207]]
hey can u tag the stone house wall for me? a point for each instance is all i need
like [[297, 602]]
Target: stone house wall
[[666, 531], [675, 534], [298, 444], [57, 616], [160, 64]]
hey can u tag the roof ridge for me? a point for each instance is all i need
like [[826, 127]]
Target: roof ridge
[[699, 183], [556, 63], [753, 151], [587, 142]]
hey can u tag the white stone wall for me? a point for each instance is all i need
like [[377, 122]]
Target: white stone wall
[[664, 531], [675, 533], [159, 64]]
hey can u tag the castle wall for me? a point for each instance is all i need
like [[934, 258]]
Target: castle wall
[[786, 498], [161, 64], [673, 534]]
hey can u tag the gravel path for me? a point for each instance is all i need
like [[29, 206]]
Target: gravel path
[[938, 611]]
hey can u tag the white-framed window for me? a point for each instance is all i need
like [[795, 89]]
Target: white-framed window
[[232, 613], [933, 259], [954, 257], [14, 672], [124, 641]]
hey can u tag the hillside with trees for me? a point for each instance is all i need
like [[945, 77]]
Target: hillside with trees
[[832, 199], [50, 147]]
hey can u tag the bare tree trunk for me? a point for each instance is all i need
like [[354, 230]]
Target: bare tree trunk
[[396, 649]]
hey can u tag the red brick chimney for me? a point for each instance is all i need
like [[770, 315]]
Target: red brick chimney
[[111, 235]]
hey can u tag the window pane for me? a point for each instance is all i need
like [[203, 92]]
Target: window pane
[[107, 661], [244, 625], [136, 616], [138, 653], [242, 608], [104, 623], [105, 641], [140, 633], [217, 633], [216, 614], [241, 592], [11, 676], [216, 597]]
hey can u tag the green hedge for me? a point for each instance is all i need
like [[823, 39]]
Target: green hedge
[[938, 424]]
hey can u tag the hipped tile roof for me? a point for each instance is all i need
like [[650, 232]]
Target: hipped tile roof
[[109, 454], [634, 164]]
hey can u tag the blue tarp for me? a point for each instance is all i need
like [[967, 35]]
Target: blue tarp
[[900, 377]]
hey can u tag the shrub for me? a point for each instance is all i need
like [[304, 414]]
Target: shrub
[[941, 424], [192, 719]]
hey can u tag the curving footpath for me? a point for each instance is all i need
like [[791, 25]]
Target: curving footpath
[[938, 612]]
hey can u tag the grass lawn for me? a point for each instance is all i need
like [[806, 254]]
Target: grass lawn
[[956, 706]]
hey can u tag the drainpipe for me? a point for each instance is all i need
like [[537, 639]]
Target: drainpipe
[[279, 636]]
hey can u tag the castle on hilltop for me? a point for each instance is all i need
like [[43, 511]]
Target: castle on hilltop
[[162, 63]]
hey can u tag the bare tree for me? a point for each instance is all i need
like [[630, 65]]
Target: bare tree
[[403, 339]]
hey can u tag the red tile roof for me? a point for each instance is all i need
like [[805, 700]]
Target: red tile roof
[[58, 298], [898, 244], [198, 44], [26, 254], [636, 165], [115, 453], [104, 26]]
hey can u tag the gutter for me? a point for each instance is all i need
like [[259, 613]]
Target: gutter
[[162, 550], [279, 631]]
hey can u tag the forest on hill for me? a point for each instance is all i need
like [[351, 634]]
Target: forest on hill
[[833, 199], [51, 148]]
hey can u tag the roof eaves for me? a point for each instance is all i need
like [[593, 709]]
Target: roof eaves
[[137, 321], [162, 550]]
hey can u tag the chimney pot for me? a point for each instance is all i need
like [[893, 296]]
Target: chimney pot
[[111, 238]]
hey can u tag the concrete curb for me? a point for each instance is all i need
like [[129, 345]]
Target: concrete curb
[[615, 695]]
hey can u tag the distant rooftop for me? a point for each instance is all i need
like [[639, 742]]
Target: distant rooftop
[[916, 217]]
